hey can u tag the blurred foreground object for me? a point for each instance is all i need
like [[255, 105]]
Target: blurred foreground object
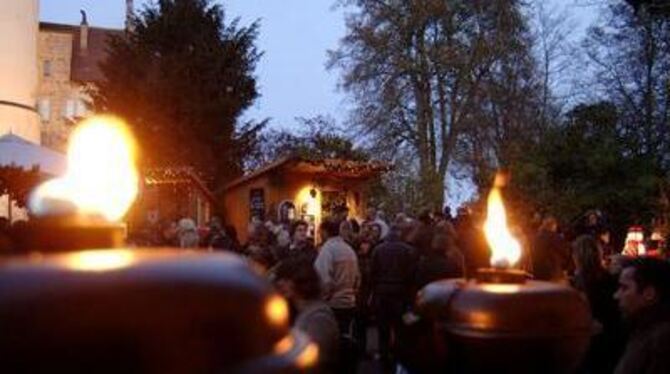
[[500, 321], [76, 301], [150, 311], [507, 326]]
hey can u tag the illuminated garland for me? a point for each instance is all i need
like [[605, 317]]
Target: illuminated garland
[[349, 166]]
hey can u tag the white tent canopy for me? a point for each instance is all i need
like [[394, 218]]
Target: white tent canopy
[[19, 152]]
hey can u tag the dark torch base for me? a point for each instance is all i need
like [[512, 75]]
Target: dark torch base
[[69, 234], [503, 322], [507, 276]]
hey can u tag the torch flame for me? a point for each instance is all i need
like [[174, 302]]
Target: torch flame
[[101, 178], [505, 249]]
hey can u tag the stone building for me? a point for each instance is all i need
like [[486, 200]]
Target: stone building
[[18, 69], [44, 71], [68, 61]]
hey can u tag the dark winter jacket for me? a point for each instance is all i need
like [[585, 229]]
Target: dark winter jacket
[[607, 345], [648, 348], [472, 243], [392, 267], [551, 256], [437, 266], [303, 248]]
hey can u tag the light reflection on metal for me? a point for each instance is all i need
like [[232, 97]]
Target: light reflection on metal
[[481, 319], [501, 288], [308, 357], [276, 311], [285, 345], [99, 260]]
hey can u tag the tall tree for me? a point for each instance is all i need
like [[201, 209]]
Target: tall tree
[[415, 70], [315, 138], [509, 102], [181, 78], [630, 53], [583, 164], [557, 58]]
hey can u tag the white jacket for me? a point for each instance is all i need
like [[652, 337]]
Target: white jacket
[[337, 266]]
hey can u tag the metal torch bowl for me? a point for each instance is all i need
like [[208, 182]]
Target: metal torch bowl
[[526, 327], [143, 310]]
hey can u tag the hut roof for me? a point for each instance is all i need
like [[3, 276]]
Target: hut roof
[[325, 168], [176, 176]]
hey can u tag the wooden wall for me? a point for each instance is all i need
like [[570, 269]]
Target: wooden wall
[[276, 189]]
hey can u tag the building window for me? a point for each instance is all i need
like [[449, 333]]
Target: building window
[[44, 109], [70, 107], [46, 68], [81, 110], [286, 212]]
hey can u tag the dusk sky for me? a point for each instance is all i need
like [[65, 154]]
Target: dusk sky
[[294, 35]]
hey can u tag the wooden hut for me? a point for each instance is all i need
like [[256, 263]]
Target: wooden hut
[[296, 188], [168, 194]]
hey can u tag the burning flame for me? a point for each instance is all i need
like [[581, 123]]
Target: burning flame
[[505, 249], [101, 178]]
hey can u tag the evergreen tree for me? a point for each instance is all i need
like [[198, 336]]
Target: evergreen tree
[[181, 79], [584, 164]]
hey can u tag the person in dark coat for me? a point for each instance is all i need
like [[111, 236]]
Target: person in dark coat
[[420, 236], [298, 282], [598, 285], [472, 243], [261, 246], [442, 262], [301, 244], [644, 301], [231, 233], [391, 271], [216, 237], [550, 253], [447, 214], [593, 224], [364, 311]]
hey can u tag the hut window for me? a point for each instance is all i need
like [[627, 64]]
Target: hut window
[[286, 211]]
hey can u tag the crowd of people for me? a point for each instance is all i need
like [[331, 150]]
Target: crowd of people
[[363, 276], [367, 273]]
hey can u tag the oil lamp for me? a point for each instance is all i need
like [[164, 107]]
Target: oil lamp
[[501, 321], [78, 301]]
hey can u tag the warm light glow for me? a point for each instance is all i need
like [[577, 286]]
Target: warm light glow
[[308, 357], [482, 318], [100, 260], [284, 345], [308, 204], [276, 311], [101, 178], [634, 245], [505, 249], [501, 288]]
